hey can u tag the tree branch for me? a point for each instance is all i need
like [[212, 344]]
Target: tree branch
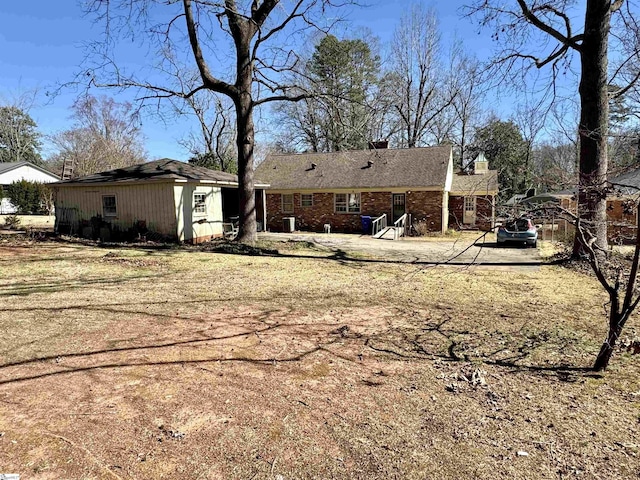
[[209, 81], [535, 21]]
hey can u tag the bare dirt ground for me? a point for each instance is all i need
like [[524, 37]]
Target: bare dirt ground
[[463, 249], [148, 364]]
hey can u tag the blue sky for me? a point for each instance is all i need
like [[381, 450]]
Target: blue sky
[[41, 45]]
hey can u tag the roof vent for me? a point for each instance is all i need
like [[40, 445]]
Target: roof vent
[[369, 163], [313, 166]]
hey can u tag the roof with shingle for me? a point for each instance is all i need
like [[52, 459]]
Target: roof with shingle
[[410, 167], [159, 170], [8, 166], [478, 184], [627, 183]]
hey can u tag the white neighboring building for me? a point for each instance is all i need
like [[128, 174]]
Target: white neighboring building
[[14, 172]]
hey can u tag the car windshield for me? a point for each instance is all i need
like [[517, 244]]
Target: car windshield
[[519, 225]]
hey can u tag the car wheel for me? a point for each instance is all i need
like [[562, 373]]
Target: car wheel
[[534, 244]]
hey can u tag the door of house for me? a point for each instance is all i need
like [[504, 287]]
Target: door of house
[[469, 213], [398, 205]]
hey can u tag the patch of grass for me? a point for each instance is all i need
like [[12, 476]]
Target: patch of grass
[[303, 366]]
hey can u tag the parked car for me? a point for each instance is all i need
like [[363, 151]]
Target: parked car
[[519, 230]]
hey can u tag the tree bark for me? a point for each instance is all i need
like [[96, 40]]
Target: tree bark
[[594, 121], [243, 30], [245, 142], [606, 351]]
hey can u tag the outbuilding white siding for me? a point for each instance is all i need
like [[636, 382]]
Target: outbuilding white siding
[[166, 209], [191, 224], [22, 172]]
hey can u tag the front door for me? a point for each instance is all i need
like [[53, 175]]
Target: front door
[[398, 205], [469, 214]]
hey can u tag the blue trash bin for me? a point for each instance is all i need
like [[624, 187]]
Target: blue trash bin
[[366, 223]]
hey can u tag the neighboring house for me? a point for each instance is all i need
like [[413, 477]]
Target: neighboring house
[[14, 172], [622, 201], [165, 199], [338, 188]]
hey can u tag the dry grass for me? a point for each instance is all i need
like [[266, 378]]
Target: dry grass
[[130, 363], [33, 221]]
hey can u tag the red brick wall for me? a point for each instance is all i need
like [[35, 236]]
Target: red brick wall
[[621, 219], [425, 206], [484, 211], [456, 206]]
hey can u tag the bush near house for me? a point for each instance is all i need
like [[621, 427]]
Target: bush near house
[[30, 197]]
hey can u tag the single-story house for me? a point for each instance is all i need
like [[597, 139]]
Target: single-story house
[[165, 199], [338, 188], [16, 171]]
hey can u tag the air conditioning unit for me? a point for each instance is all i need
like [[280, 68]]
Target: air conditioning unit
[[289, 224]]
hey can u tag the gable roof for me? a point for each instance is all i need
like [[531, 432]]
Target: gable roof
[[164, 170], [475, 184], [8, 166], [409, 167]]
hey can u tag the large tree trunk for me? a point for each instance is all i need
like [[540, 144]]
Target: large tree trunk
[[243, 32], [245, 143], [594, 121]]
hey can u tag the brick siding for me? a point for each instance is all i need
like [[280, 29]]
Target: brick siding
[[426, 207], [423, 206], [484, 211]]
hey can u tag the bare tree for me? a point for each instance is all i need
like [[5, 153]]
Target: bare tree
[[468, 84], [106, 135], [420, 94], [530, 117], [259, 38], [213, 146], [540, 33]]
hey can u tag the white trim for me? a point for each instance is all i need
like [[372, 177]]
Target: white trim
[[115, 198], [197, 213], [346, 203], [293, 203], [302, 204]]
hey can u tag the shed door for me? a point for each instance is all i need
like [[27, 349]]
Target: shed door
[[398, 205], [469, 214]]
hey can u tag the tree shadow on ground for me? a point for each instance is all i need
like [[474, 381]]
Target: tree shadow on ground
[[423, 341]]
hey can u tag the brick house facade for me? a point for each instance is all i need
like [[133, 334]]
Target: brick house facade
[[337, 189]]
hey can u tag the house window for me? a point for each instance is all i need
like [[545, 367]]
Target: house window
[[109, 207], [347, 202], [306, 200], [287, 203], [200, 203]]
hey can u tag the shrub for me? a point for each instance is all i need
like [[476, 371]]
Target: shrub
[[421, 228], [11, 222], [29, 197]]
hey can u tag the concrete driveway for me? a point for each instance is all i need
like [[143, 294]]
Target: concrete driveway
[[447, 251]]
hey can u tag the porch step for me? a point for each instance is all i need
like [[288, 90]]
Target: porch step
[[387, 233]]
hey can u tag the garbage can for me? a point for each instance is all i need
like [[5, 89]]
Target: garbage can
[[289, 224], [366, 223]]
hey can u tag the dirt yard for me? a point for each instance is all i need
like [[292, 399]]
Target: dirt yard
[[123, 363]]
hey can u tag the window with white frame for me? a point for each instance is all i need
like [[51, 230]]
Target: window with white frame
[[287, 203], [109, 206], [469, 204], [200, 203], [347, 202], [306, 200]]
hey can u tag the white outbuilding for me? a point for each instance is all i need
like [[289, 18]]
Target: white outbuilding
[[161, 200], [14, 172]]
